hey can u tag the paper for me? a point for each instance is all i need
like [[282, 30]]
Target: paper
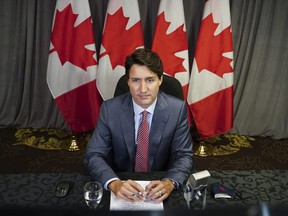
[[119, 204]]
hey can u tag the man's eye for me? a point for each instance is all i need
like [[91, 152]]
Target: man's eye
[[150, 80], [135, 80]]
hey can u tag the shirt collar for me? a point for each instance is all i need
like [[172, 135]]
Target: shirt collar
[[138, 109]]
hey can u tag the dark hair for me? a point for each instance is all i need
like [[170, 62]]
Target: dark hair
[[145, 57]]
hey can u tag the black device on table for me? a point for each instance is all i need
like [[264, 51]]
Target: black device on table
[[62, 188]]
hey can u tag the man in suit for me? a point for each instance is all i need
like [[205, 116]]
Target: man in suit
[[113, 145]]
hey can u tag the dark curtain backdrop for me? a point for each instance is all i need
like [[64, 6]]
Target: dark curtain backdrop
[[260, 32]]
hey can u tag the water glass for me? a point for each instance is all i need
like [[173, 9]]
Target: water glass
[[93, 192]]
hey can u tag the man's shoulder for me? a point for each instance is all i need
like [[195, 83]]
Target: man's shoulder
[[119, 99], [170, 98]]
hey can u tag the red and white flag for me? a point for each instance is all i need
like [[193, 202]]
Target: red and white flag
[[170, 41], [210, 93], [122, 34], [72, 65]]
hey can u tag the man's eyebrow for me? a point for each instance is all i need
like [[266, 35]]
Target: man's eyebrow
[[146, 78]]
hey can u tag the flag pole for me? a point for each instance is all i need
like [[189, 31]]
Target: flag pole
[[73, 145], [203, 149]]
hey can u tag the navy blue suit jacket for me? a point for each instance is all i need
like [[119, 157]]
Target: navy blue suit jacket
[[112, 145]]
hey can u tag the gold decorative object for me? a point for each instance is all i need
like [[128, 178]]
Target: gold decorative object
[[57, 139], [203, 150], [73, 146], [222, 144]]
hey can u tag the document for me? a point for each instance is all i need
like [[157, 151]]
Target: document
[[122, 205]]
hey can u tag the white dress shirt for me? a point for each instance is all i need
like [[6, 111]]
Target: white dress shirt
[[138, 116]]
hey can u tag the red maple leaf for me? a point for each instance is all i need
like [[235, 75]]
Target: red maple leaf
[[167, 45], [210, 48], [118, 41], [69, 41]]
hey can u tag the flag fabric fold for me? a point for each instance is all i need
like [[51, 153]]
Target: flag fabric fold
[[170, 41], [210, 94], [72, 65], [122, 34]]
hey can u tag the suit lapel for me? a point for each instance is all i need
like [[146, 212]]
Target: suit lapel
[[158, 125], [127, 126]]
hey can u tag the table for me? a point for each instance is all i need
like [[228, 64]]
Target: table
[[38, 190], [35, 192]]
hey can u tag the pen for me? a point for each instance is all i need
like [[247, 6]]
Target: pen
[[137, 194]]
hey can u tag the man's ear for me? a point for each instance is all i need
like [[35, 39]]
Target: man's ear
[[161, 80]]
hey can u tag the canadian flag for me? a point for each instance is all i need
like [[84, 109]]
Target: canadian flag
[[122, 34], [170, 41], [72, 65], [210, 93]]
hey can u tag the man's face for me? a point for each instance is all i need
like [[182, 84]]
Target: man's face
[[144, 85]]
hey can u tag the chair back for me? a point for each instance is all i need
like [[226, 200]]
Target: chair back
[[170, 85]]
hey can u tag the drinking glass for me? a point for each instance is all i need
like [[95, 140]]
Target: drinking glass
[[93, 193]]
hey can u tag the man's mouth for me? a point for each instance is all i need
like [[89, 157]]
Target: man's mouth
[[143, 96]]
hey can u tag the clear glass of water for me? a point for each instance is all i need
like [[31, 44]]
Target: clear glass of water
[[93, 193]]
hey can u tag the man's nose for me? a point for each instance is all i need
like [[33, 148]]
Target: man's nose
[[143, 86]]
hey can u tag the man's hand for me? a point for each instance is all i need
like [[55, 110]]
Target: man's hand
[[127, 190], [159, 190]]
